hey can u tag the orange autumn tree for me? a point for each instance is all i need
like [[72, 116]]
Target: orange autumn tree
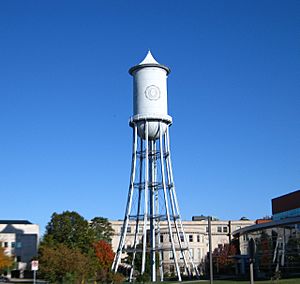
[[5, 261], [222, 257], [104, 254]]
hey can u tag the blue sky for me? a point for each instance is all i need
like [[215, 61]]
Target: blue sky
[[66, 96]]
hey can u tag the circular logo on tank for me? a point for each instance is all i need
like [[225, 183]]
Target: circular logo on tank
[[152, 93]]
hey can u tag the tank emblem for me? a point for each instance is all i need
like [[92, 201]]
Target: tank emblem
[[152, 93]]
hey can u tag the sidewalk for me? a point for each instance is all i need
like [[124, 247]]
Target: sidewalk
[[21, 280]]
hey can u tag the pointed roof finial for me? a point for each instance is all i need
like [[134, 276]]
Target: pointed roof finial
[[148, 61]]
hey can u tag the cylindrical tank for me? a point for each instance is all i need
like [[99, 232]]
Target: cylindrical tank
[[150, 102]]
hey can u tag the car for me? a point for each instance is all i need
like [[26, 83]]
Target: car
[[3, 279]]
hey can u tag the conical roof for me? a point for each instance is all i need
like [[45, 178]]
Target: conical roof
[[148, 61]]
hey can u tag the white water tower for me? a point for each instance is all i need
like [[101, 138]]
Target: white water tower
[[152, 205]]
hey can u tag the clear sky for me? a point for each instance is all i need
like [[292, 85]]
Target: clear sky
[[66, 96]]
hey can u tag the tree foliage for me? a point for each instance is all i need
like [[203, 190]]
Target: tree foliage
[[222, 257], [71, 229], [142, 278], [105, 257], [264, 252], [102, 229], [293, 254], [5, 261], [74, 250], [104, 254], [60, 263]]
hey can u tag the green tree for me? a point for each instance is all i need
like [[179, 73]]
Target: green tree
[[70, 250], [61, 264], [138, 262], [102, 229], [293, 254], [264, 251], [70, 229]]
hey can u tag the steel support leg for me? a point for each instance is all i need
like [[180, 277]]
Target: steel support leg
[[146, 198], [129, 203], [169, 163], [138, 212], [152, 211], [167, 202]]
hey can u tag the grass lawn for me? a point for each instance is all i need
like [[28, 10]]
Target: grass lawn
[[280, 281]]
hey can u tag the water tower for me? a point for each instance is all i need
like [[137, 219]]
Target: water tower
[[152, 206]]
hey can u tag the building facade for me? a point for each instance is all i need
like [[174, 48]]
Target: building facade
[[19, 238], [196, 232], [277, 240]]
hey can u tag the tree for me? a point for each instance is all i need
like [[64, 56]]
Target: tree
[[104, 254], [102, 229], [66, 252], [61, 264], [142, 278], [293, 254], [74, 249], [264, 252], [71, 229], [5, 261], [221, 256]]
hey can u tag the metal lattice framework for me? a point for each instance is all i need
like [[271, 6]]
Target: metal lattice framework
[[152, 206]]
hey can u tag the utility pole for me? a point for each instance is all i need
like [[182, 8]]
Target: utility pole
[[210, 251], [252, 249]]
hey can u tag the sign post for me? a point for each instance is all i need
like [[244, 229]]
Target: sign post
[[34, 268]]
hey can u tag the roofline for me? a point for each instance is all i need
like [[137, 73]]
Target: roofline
[[140, 66], [25, 222], [276, 223], [284, 195]]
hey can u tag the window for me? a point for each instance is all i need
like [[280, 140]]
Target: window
[[182, 269], [219, 229], [172, 269], [192, 253], [206, 229], [225, 229], [18, 244], [129, 229], [190, 238], [181, 237], [161, 238], [181, 255], [13, 244], [171, 255], [6, 244], [198, 238], [18, 258]]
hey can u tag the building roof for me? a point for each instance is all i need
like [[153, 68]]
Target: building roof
[[23, 222], [286, 202], [268, 225], [148, 61]]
